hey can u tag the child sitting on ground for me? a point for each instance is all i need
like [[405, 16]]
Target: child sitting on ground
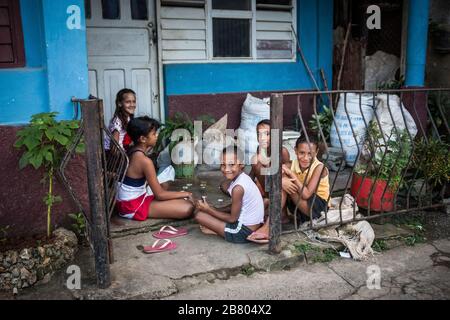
[[262, 160], [262, 157], [246, 213], [141, 196], [310, 180], [305, 184]]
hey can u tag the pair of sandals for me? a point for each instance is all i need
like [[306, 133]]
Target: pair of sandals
[[164, 243]]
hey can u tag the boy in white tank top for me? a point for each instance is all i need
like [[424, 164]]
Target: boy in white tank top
[[246, 213]]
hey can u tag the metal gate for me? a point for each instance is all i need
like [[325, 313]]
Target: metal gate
[[401, 152], [104, 172]]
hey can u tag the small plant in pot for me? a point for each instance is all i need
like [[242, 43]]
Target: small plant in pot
[[380, 169], [183, 145]]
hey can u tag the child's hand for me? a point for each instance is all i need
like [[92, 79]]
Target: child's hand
[[191, 198], [288, 172], [202, 206], [288, 185]]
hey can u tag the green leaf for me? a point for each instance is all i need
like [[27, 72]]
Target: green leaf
[[57, 199], [81, 148], [49, 156], [36, 161], [31, 142], [51, 133], [47, 200], [19, 143], [62, 139], [24, 160]]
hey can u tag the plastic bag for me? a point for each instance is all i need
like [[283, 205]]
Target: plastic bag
[[355, 120], [400, 115], [253, 111], [166, 174]]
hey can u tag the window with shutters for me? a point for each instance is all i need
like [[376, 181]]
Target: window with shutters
[[12, 54], [228, 30]]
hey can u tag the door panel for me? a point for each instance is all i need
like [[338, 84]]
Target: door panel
[[114, 80], [140, 80], [122, 55]]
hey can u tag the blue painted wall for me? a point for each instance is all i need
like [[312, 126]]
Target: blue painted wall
[[315, 29], [23, 91], [56, 64]]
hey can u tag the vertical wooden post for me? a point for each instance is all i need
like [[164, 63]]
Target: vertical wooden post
[[93, 123], [276, 126]]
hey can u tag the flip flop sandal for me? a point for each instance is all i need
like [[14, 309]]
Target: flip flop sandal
[[260, 240], [168, 232], [155, 248]]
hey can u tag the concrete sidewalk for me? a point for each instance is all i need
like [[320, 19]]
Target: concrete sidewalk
[[207, 267]]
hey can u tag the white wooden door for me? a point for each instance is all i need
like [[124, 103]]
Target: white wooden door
[[122, 53]]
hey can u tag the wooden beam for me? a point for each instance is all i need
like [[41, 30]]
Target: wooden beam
[[92, 111], [274, 179]]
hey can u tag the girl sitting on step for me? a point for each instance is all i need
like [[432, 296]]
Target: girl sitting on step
[[141, 196]]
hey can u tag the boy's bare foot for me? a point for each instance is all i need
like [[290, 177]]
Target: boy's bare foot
[[261, 235], [205, 230]]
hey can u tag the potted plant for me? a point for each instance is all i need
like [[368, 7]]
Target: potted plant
[[185, 169], [380, 168]]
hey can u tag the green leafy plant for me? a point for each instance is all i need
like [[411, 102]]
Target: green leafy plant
[[3, 233], [391, 85], [380, 245], [178, 121], [432, 160], [45, 141], [325, 256], [415, 224], [325, 119], [247, 270], [304, 247], [318, 254], [386, 159], [79, 225]]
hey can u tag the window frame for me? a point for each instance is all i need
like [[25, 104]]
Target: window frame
[[17, 39], [238, 14]]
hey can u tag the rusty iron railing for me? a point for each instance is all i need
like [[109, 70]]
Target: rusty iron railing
[[395, 169], [104, 172]]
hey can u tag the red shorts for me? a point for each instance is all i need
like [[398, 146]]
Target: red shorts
[[136, 209]]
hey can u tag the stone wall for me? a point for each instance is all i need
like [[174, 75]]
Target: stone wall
[[26, 267]]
